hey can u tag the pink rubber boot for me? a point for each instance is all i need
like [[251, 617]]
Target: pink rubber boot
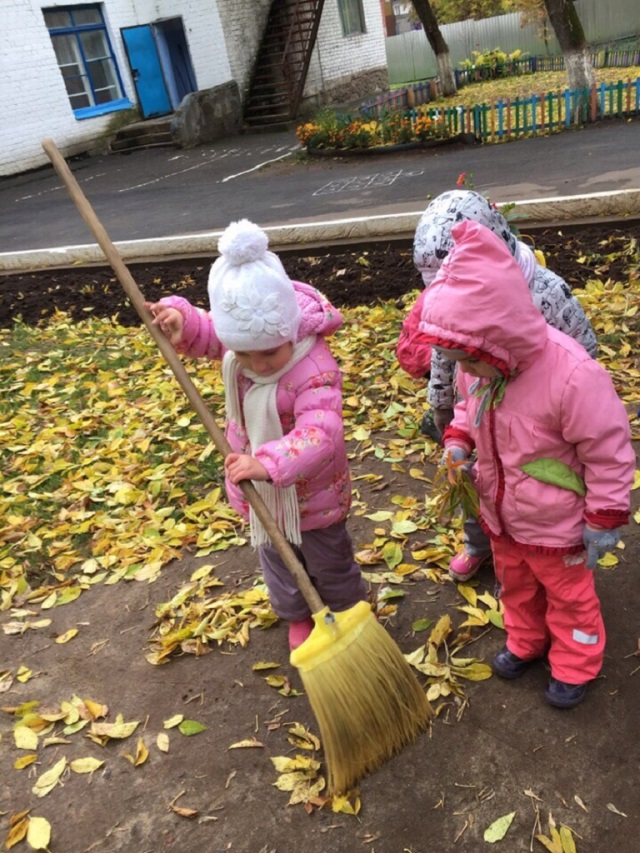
[[299, 631], [463, 566]]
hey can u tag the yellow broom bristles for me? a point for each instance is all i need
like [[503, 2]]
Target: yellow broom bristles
[[363, 693]]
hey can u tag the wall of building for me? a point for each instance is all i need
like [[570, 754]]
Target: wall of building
[[223, 39], [243, 22], [33, 96], [346, 67]]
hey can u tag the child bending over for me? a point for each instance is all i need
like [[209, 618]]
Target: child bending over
[[550, 293], [555, 463], [283, 391]]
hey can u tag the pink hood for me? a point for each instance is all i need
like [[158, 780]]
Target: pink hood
[[504, 323], [319, 317]]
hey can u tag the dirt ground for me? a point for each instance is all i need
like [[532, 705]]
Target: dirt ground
[[386, 272], [504, 751]]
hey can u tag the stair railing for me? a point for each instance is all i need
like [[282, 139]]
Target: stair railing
[[295, 72]]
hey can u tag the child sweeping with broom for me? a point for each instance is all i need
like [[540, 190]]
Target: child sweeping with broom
[[551, 295], [554, 459], [349, 655], [283, 392]]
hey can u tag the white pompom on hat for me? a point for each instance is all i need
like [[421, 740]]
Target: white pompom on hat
[[253, 302]]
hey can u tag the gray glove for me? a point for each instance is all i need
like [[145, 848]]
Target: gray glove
[[597, 543], [455, 454], [442, 418]]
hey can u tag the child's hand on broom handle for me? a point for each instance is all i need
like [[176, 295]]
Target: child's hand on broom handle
[[241, 466], [169, 319]]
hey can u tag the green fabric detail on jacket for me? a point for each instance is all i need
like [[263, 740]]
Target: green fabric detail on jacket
[[490, 394]]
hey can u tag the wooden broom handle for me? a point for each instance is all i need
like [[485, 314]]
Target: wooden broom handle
[[219, 439]]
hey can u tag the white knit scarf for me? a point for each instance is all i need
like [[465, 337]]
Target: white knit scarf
[[259, 415]]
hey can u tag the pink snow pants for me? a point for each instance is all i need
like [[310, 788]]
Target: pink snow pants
[[550, 603]]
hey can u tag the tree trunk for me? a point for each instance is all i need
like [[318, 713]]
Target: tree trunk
[[570, 34], [438, 45]]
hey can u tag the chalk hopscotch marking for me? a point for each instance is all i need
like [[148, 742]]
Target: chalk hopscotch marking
[[363, 182]]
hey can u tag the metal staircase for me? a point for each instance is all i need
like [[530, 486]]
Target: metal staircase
[[281, 66]]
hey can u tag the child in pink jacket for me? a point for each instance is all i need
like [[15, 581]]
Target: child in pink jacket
[[555, 463], [283, 391], [550, 293]]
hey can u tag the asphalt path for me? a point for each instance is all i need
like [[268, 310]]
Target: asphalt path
[[164, 192]]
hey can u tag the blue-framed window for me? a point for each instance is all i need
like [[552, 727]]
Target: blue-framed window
[[352, 17], [85, 58]]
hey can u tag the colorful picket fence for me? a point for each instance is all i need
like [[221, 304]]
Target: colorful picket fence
[[540, 114], [536, 114], [399, 99]]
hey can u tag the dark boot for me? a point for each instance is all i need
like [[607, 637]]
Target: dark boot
[[507, 665], [428, 427], [563, 695]]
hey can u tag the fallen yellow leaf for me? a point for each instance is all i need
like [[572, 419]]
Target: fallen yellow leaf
[[85, 765], [25, 761], [39, 833], [25, 738], [48, 781], [68, 635]]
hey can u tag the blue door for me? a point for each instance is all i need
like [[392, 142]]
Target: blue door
[[146, 70]]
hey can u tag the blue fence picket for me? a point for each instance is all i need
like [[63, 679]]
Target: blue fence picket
[[500, 105], [546, 113]]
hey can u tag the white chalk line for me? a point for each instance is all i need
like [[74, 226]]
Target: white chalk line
[[259, 166]]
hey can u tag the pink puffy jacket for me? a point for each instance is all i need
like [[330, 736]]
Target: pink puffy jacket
[[413, 351], [312, 453], [558, 402]]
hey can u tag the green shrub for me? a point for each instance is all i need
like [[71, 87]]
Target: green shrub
[[493, 63]]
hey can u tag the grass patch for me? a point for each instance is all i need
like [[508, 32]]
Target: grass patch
[[524, 85]]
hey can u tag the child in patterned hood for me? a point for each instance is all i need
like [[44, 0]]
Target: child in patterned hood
[[551, 296], [283, 392], [553, 471]]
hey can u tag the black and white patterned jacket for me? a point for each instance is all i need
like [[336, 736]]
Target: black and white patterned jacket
[[550, 293]]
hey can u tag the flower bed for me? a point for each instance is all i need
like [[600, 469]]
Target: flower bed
[[331, 132]]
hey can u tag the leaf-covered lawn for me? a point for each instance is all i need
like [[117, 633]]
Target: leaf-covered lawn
[[525, 85], [107, 474]]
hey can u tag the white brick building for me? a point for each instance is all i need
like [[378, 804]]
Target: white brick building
[[66, 66]]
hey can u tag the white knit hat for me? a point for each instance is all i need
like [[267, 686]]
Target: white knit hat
[[253, 303]]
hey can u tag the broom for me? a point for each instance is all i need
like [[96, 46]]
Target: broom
[[364, 695]]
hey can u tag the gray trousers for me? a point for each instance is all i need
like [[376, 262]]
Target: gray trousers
[[327, 556], [476, 541]]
